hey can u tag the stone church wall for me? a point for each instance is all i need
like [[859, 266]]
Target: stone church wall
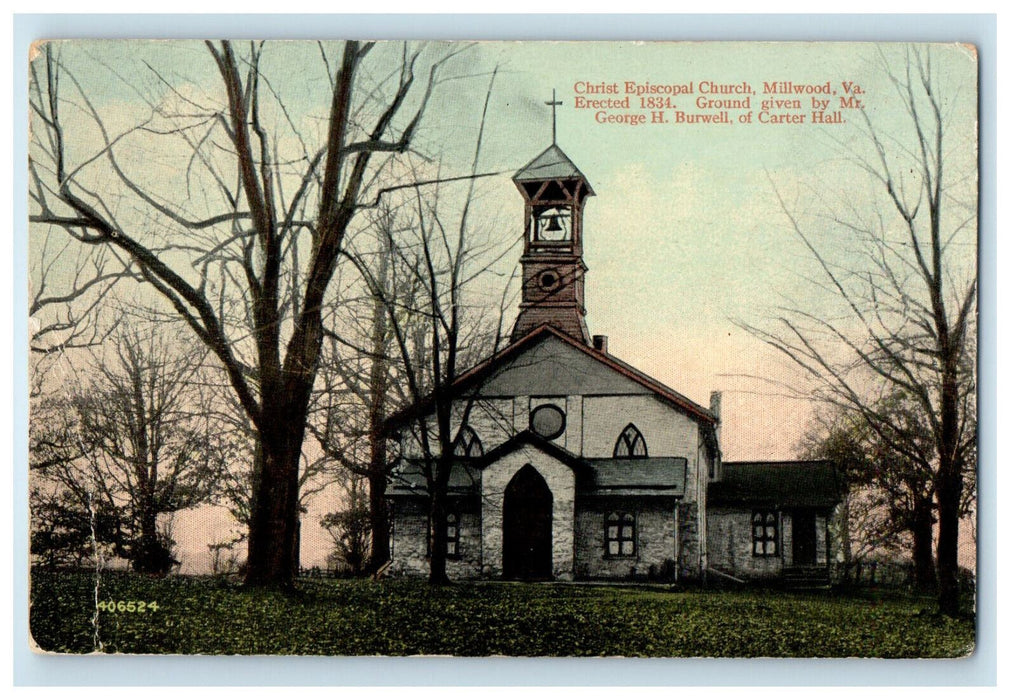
[[667, 432], [409, 550], [560, 481], [492, 419], [689, 555], [409, 530], [480, 557], [654, 557], [729, 542]]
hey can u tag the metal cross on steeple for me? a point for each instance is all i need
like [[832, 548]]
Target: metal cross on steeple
[[553, 104]]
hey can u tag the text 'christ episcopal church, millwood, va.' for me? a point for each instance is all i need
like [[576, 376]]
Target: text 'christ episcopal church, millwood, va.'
[[572, 465]]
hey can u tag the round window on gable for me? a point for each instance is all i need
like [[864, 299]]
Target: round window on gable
[[547, 421]]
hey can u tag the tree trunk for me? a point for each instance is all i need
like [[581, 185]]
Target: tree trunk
[[949, 483], [380, 528], [921, 545], [272, 539], [948, 495], [377, 481], [377, 476], [439, 540], [148, 557]]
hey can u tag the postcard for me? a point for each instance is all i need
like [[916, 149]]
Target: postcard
[[530, 349]]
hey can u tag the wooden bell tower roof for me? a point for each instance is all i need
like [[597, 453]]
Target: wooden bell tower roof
[[552, 164]]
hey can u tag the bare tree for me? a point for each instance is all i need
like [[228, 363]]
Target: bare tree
[[73, 519], [902, 310], [69, 288], [361, 384], [442, 336], [419, 270], [68, 529], [435, 344], [258, 203], [134, 444], [236, 491]]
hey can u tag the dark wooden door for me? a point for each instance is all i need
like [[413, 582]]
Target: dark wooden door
[[526, 530], [803, 538]]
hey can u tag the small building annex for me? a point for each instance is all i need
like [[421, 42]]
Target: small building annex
[[572, 464]]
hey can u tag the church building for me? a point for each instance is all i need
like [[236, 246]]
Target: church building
[[574, 465]]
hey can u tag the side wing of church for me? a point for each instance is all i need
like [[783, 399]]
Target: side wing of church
[[571, 464]]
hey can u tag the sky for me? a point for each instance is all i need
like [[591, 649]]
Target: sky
[[686, 238]]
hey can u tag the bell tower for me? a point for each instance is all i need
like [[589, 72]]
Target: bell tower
[[554, 192]]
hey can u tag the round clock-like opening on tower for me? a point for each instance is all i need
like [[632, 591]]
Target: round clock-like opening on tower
[[548, 280], [547, 421]]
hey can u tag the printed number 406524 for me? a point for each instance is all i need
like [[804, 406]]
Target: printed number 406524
[[128, 606]]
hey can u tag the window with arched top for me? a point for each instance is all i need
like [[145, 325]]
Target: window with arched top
[[619, 534], [765, 533], [468, 444], [630, 443]]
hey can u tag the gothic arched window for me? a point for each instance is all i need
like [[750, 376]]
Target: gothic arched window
[[630, 443], [468, 444]]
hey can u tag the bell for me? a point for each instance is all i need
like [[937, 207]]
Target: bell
[[555, 224]]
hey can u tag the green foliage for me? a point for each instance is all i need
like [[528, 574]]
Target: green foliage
[[64, 533], [400, 617], [350, 528], [153, 555], [887, 457]]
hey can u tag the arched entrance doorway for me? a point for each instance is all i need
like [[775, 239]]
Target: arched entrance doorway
[[526, 533]]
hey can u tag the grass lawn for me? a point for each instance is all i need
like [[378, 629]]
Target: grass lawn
[[399, 617]]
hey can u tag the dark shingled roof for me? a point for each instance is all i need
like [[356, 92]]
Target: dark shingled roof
[[778, 484], [660, 476], [552, 164], [652, 476]]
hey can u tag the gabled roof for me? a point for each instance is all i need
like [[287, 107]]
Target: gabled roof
[[465, 473], [464, 476], [650, 476], [805, 484], [552, 164], [528, 437], [487, 367]]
